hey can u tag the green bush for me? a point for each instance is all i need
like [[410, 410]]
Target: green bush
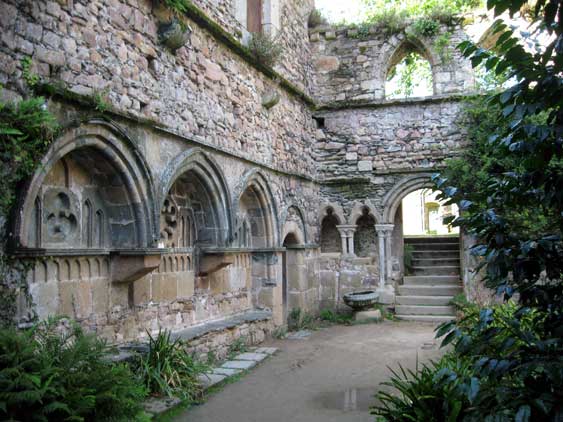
[[299, 320], [334, 317], [265, 49], [238, 346], [55, 373], [408, 256], [424, 27], [316, 19], [168, 370], [434, 393]]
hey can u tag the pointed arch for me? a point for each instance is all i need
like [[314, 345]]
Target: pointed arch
[[399, 49], [98, 143], [254, 198], [294, 223], [196, 181]]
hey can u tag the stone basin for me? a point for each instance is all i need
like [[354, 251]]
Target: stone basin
[[361, 300]]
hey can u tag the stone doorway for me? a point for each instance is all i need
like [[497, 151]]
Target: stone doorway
[[290, 270]]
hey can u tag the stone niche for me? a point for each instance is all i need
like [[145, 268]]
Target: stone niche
[[365, 239], [330, 237], [83, 203]]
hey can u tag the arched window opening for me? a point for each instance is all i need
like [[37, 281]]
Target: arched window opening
[[365, 241], [424, 214], [410, 75], [330, 237]]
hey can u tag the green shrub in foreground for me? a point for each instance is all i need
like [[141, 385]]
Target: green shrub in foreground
[[167, 370], [433, 393], [50, 373]]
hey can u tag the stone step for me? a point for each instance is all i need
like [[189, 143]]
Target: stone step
[[437, 319], [424, 300], [431, 239], [430, 253], [441, 261], [431, 280], [436, 270], [424, 310], [435, 246], [448, 290]]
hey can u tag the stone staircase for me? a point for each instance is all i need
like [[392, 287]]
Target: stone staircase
[[426, 293]]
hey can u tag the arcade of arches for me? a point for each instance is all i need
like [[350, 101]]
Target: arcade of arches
[[190, 201]]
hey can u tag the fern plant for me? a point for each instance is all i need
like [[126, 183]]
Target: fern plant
[[56, 373]]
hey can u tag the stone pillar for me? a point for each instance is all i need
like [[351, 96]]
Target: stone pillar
[[347, 236], [386, 290]]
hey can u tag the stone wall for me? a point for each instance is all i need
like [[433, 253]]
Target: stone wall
[[352, 68], [183, 200], [159, 278], [204, 90], [405, 136]]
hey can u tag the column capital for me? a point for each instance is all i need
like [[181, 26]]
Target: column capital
[[384, 228], [347, 229]]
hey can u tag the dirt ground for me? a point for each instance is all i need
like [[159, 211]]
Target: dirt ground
[[331, 376]]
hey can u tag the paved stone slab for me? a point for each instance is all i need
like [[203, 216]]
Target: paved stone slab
[[158, 405], [266, 350], [239, 364], [209, 380], [229, 372], [299, 335], [257, 357]]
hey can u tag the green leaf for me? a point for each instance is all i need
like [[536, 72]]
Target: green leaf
[[523, 414]]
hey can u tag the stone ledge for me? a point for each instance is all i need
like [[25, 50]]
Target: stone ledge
[[381, 103], [223, 324]]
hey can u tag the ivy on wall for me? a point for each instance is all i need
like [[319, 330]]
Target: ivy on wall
[[26, 132]]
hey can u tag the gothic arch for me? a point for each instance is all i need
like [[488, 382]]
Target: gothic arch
[[294, 223], [97, 147], [359, 210], [254, 198], [399, 48], [336, 211], [197, 169], [393, 198]]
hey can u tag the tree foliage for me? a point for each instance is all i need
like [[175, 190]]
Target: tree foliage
[[511, 192]]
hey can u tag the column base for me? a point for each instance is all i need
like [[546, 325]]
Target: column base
[[386, 294]]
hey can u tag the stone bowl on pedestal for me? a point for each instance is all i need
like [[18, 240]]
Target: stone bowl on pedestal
[[362, 303]]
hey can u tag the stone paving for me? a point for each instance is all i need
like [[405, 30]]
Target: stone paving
[[333, 376]]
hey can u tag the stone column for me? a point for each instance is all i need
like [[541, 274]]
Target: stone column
[[384, 248], [347, 235]]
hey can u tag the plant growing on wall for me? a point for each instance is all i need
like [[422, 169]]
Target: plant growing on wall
[[26, 131], [264, 48]]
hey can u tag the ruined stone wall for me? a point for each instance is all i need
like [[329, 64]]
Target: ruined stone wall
[[87, 282], [204, 90], [292, 32], [352, 68], [372, 141]]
